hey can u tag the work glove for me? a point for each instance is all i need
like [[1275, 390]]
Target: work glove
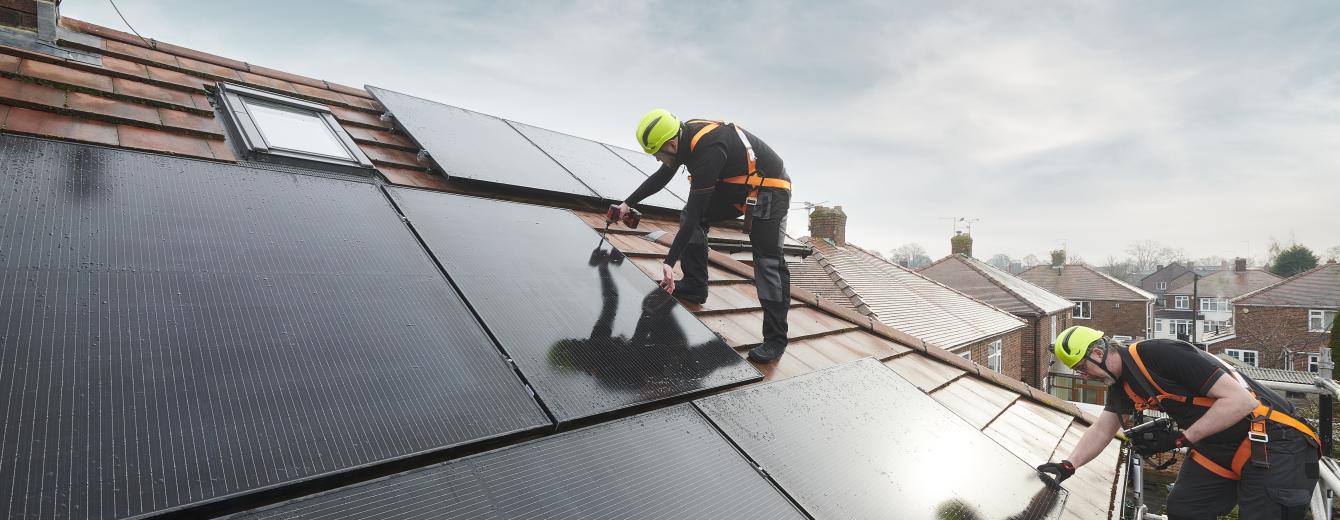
[[1153, 442], [1054, 473]]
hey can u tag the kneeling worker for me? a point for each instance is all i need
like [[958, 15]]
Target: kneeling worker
[[731, 172], [1247, 448]]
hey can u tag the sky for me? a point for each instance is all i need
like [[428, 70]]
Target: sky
[[1211, 127]]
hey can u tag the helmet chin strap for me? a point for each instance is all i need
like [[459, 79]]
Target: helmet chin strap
[[1102, 364]]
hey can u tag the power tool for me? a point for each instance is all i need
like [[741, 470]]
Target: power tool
[[631, 219]]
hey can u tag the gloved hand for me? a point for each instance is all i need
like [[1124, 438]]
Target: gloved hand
[[1054, 473], [1158, 441]]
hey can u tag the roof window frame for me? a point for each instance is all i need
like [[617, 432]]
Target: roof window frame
[[252, 143]]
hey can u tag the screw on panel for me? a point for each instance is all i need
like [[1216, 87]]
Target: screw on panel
[[386, 116], [422, 155]]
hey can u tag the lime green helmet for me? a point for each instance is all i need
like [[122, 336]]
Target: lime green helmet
[[1072, 345], [657, 127]]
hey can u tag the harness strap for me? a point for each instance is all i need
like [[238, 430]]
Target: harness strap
[[752, 178]]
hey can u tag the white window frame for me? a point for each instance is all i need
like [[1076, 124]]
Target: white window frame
[[993, 355], [1241, 355], [1181, 302], [1054, 331], [1083, 310], [1213, 304], [1158, 325], [1318, 316], [1313, 360], [251, 140], [1163, 286]]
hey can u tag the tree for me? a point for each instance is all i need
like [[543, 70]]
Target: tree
[[1001, 261], [910, 255], [1147, 255], [1293, 260], [1122, 270], [1058, 257], [1030, 260], [1333, 254]]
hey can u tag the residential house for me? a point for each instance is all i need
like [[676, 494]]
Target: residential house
[[1285, 325], [905, 300], [231, 292], [1165, 277], [1047, 314], [1208, 301]]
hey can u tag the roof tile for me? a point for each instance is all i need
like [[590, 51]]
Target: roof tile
[[1318, 288], [8, 63], [976, 401], [380, 136], [60, 74], [208, 68], [112, 108], [188, 121], [924, 372], [412, 177], [347, 90], [1082, 282], [289, 77], [23, 92], [177, 78], [268, 82], [221, 150], [4, 112], [197, 55], [1029, 430], [142, 53], [138, 89], [163, 142], [1227, 284], [60, 126], [125, 66], [349, 115]]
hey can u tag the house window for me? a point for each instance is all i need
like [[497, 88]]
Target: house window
[[1181, 302], [1082, 311], [1158, 325], [1163, 286], [275, 128], [1213, 304], [1247, 357], [1179, 328], [1319, 320], [1312, 361], [993, 355]]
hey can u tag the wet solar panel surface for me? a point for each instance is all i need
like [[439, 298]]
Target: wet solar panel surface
[[858, 441], [174, 331], [596, 165], [648, 164], [477, 146], [588, 330], [668, 463]]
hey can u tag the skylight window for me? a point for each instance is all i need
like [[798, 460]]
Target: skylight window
[[276, 128]]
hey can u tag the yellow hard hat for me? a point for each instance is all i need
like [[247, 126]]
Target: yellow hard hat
[[1072, 345], [657, 127]]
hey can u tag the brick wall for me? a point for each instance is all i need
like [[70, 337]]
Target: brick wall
[[19, 13], [1040, 345], [1271, 331], [1116, 318], [1010, 345]]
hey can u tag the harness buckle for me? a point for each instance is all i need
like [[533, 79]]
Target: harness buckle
[[1257, 432], [1258, 436], [751, 200]]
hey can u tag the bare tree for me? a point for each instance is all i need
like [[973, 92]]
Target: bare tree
[[1122, 270], [1030, 260], [1333, 254], [1147, 255], [910, 255]]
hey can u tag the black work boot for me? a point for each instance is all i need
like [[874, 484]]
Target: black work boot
[[695, 295], [767, 352]]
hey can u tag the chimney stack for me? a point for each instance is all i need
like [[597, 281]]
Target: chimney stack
[[1058, 258], [1239, 264], [960, 244], [36, 16], [829, 224]]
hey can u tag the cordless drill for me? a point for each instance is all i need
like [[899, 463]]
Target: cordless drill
[[631, 219]]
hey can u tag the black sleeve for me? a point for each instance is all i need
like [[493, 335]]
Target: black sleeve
[[706, 168], [656, 182]]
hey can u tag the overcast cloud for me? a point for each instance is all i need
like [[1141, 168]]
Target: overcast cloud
[[1208, 126]]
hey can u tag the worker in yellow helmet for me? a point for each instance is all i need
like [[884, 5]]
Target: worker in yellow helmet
[[732, 173], [1246, 446]]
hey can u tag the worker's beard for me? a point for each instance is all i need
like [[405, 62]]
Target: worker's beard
[[1108, 378]]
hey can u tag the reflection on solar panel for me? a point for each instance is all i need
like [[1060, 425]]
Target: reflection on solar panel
[[858, 441], [174, 331], [588, 329], [609, 175], [649, 165], [477, 146], [669, 464]]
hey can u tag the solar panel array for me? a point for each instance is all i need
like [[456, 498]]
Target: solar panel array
[[590, 332], [668, 463], [857, 441], [481, 147], [175, 331]]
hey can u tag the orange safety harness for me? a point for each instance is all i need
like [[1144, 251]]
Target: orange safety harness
[[1252, 448], [753, 179]]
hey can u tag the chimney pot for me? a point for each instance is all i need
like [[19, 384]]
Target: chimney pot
[[830, 224], [1239, 264]]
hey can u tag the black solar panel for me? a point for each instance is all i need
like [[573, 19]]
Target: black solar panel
[[175, 331], [668, 464], [648, 165], [605, 172], [590, 332], [858, 441], [477, 146]]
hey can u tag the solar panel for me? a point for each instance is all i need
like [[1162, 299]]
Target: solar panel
[[588, 330], [175, 331], [648, 165], [858, 441], [669, 463], [605, 172], [477, 146]]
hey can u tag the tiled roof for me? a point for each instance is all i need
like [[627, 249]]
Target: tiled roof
[[1318, 288], [1081, 282], [1175, 266], [158, 100], [155, 99], [1228, 284], [901, 298], [1271, 374], [991, 285]]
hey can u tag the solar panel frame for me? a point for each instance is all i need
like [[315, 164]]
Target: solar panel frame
[[648, 165], [178, 332], [857, 441], [591, 333], [668, 463], [597, 166]]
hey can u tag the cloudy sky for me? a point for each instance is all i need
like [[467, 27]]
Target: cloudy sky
[[1208, 126]]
